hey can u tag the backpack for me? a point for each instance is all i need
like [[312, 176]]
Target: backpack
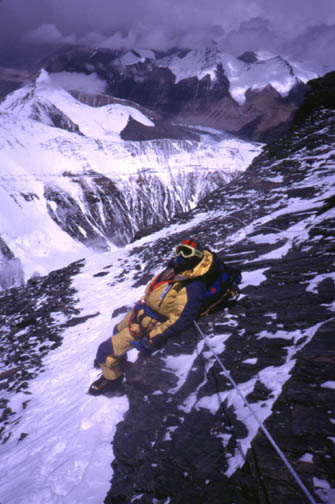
[[221, 286]]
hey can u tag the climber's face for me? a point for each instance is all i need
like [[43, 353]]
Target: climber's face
[[187, 257]]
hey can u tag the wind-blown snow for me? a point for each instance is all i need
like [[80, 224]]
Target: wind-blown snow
[[90, 83]]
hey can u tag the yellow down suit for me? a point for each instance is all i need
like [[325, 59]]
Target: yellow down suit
[[167, 308]]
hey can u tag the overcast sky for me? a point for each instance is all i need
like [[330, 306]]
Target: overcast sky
[[298, 27]]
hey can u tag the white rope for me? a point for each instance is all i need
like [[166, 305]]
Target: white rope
[[260, 423]]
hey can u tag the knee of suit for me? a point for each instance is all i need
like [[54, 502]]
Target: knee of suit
[[104, 349]]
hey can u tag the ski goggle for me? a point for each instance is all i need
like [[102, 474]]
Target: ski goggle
[[187, 252]]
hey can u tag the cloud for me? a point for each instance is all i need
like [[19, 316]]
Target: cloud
[[237, 26], [48, 34], [81, 17], [253, 35], [71, 80], [317, 44], [293, 17]]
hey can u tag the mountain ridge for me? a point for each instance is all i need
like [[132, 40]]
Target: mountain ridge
[[94, 176], [253, 98]]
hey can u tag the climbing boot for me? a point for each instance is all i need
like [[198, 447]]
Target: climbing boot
[[102, 386]]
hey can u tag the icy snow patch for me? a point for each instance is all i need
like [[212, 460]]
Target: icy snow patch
[[324, 490], [291, 336], [181, 366], [328, 384], [253, 277], [250, 361], [307, 457], [313, 284]]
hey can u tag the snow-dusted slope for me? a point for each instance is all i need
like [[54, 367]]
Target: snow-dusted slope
[[68, 181]]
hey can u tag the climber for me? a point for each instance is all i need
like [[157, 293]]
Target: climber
[[172, 301]]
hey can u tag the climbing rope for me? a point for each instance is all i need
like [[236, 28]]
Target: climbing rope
[[253, 468], [258, 420]]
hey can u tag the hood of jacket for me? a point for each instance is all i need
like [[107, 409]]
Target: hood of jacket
[[199, 270]]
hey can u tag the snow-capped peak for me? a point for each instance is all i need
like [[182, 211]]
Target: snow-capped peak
[[135, 56], [43, 79], [44, 98], [268, 69]]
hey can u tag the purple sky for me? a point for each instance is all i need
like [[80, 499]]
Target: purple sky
[[285, 27]]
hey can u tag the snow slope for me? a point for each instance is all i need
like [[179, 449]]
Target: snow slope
[[68, 433]]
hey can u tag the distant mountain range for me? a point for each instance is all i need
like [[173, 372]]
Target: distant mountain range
[[253, 96]]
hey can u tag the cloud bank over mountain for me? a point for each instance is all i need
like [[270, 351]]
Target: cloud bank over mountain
[[302, 29]]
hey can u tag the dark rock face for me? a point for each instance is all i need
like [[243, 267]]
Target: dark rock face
[[170, 446], [55, 117], [264, 115], [93, 227], [137, 131], [268, 115]]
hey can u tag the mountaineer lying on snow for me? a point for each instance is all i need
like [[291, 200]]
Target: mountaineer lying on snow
[[195, 282]]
